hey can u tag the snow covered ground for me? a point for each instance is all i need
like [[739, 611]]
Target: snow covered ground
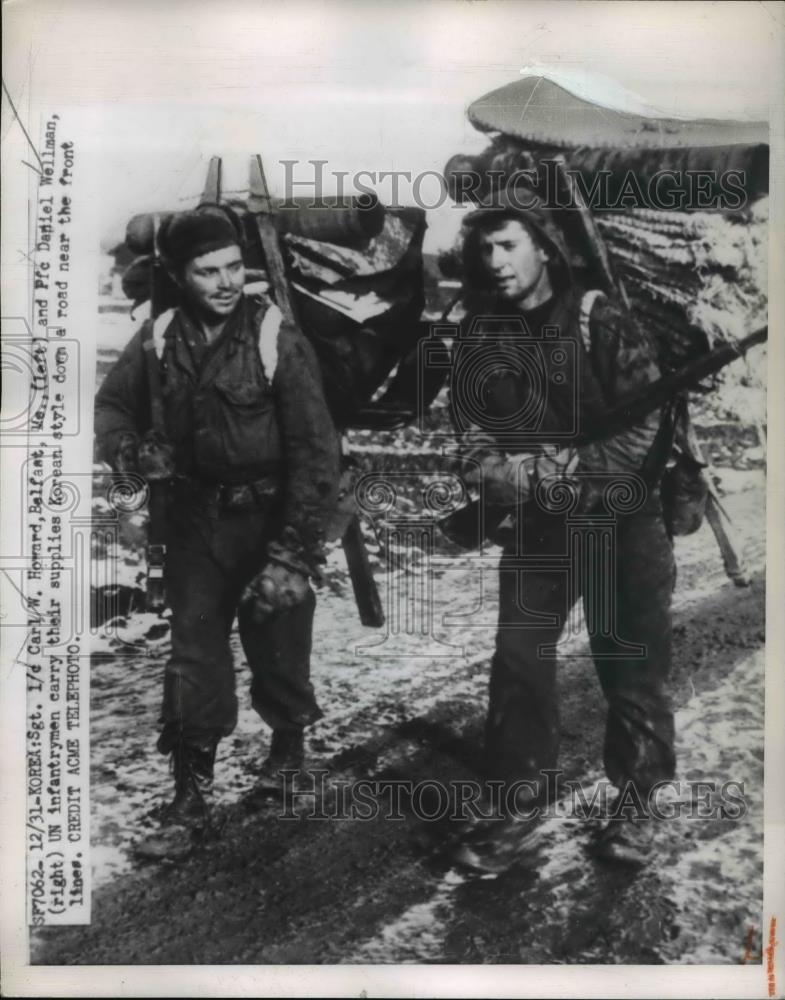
[[400, 704]]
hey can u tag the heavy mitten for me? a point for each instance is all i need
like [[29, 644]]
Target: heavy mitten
[[126, 454], [276, 588], [156, 457]]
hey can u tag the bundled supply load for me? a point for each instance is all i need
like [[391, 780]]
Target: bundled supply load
[[681, 206], [692, 275], [542, 114], [356, 272], [671, 216]]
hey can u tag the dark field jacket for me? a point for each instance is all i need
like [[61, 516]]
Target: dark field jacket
[[607, 360], [228, 420]]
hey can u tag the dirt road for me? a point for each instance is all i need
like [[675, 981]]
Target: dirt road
[[310, 890]]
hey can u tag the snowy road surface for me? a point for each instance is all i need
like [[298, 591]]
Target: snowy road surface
[[309, 891]]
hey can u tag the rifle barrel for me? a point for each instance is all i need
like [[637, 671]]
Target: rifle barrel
[[634, 408], [471, 523]]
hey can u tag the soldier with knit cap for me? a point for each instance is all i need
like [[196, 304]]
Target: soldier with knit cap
[[252, 458]]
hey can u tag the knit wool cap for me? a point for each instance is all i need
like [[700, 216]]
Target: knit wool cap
[[191, 234]]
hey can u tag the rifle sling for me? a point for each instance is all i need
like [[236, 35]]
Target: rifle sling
[[158, 491], [465, 521], [154, 385]]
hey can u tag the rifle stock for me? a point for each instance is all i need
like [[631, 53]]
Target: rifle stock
[[367, 598]]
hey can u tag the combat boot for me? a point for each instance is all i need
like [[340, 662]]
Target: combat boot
[[492, 846], [286, 754], [626, 841], [187, 816], [193, 765]]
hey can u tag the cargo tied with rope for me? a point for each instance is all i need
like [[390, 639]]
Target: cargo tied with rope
[[355, 269], [669, 216], [682, 206]]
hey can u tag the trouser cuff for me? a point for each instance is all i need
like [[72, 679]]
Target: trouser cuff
[[169, 739]]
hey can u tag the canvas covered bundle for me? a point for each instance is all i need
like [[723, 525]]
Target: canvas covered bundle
[[682, 206], [357, 280]]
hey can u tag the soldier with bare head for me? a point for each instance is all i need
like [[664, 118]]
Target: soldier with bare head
[[555, 358]]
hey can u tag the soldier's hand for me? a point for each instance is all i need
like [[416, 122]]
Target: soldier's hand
[[502, 481], [156, 457], [276, 588], [125, 458]]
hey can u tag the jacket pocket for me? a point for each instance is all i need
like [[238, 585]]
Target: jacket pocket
[[243, 395], [243, 429]]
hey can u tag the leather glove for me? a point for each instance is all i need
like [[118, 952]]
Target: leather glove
[[155, 457], [276, 588], [512, 479]]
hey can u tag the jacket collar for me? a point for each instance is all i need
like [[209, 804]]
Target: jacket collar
[[184, 335]]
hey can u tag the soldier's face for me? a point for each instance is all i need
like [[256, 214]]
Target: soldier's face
[[512, 259], [214, 282]]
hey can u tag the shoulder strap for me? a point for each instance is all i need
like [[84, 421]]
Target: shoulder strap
[[268, 339], [587, 304], [153, 344], [268, 336], [159, 326]]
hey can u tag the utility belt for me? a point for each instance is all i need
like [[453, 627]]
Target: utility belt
[[259, 493]]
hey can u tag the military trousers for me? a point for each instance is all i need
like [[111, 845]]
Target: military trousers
[[211, 555], [626, 593]]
